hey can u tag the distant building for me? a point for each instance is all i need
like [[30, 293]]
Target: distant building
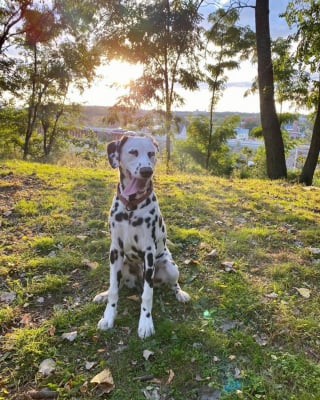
[[241, 133]]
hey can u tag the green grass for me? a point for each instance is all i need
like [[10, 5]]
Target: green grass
[[248, 333]]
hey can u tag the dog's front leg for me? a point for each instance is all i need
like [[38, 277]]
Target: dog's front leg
[[116, 262], [146, 327]]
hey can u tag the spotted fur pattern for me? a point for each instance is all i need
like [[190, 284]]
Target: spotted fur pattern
[[139, 256]]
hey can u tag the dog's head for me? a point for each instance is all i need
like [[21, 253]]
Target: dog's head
[[136, 159]]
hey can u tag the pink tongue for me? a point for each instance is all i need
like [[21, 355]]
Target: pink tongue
[[135, 185]]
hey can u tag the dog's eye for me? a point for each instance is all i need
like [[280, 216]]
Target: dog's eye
[[151, 154], [134, 153]]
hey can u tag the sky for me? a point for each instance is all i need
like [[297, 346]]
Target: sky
[[233, 98]]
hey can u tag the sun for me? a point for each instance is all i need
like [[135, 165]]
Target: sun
[[119, 73]]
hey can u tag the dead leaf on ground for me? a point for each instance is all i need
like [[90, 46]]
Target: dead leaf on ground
[[170, 377], [304, 292], [190, 261], [272, 295], [104, 380], [228, 266], [152, 393], [71, 336], [134, 297], [213, 253], [261, 339], [8, 297], [90, 264], [89, 365], [47, 366], [147, 354]]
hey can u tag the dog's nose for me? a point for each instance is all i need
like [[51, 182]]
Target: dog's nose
[[146, 172]]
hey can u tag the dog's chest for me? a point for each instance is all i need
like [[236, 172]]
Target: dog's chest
[[139, 227]]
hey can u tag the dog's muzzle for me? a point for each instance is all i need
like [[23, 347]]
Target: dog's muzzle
[[146, 172]]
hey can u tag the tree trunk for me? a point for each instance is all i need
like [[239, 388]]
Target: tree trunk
[[314, 149], [276, 163], [210, 129]]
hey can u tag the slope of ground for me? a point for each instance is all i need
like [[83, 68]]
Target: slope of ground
[[249, 256]]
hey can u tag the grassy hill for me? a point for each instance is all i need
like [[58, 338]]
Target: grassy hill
[[248, 252]]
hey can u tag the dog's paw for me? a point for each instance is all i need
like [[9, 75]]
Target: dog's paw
[[105, 324], [101, 297], [146, 327], [182, 296]]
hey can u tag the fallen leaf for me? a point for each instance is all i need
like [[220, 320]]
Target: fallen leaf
[[8, 297], [152, 393], [71, 336], [272, 295], [90, 264], [134, 297], [170, 377], [261, 339], [237, 373], [84, 387], [212, 254], [89, 364], [228, 325], [26, 319], [40, 300], [105, 381], [304, 292], [228, 266], [82, 237], [51, 330], [190, 261], [47, 366], [314, 250], [7, 213], [147, 354]]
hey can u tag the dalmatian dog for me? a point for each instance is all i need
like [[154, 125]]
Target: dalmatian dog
[[139, 256]]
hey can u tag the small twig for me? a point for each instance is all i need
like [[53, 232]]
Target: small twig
[[42, 394], [143, 378]]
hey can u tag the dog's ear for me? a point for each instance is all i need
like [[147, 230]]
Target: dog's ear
[[113, 150], [113, 153]]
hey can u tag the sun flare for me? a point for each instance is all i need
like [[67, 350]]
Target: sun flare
[[120, 73]]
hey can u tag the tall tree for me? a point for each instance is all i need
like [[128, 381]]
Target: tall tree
[[305, 16], [56, 48], [12, 14], [275, 155], [164, 37], [231, 44]]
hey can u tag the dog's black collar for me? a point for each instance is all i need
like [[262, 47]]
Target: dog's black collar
[[132, 204]]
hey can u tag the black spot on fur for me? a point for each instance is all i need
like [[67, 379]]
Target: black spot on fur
[[147, 202], [137, 251], [120, 243], [160, 221], [121, 217], [113, 256], [119, 277], [137, 222], [148, 315], [136, 238], [149, 276], [147, 220], [150, 259], [152, 211], [153, 234]]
